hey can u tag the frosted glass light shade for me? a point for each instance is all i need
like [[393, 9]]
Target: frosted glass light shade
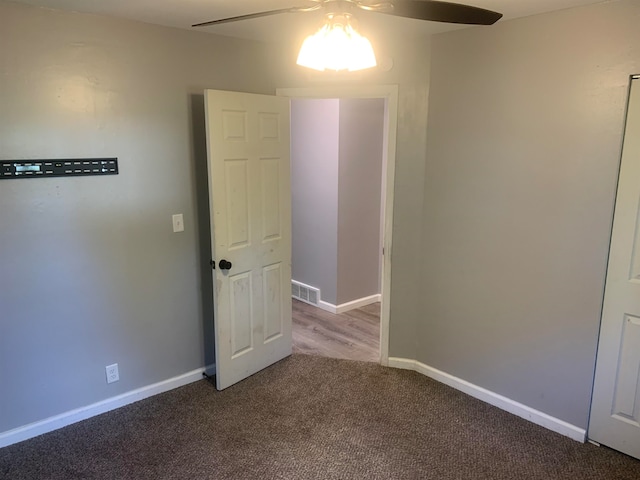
[[337, 46]]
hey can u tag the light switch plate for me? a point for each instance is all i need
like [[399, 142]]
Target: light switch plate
[[178, 223]]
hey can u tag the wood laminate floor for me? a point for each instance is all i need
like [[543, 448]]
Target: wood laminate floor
[[354, 335]]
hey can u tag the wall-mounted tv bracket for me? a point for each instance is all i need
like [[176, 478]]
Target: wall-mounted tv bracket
[[74, 167]]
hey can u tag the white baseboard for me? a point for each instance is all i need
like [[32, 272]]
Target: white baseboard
[[504, 403], [58, 421], [345, 307]]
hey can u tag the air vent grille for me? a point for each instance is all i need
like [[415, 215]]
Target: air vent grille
[[305, 293]]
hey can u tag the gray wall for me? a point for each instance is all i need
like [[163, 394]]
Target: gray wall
[[500, 231], [314, 194], [336, 176], [90, 271], [359, 198], [524, 138]]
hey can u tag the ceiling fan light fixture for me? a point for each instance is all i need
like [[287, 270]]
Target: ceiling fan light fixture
[[337, 46]]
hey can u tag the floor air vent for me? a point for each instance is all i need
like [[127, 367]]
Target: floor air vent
[[305, 293]]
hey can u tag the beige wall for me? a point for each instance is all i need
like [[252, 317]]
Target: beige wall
[[525, 129]]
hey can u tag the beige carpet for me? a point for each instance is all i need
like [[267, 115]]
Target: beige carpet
[[312, 418]]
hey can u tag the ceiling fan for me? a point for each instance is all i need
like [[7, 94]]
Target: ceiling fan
[[339, 39], [435, 11]]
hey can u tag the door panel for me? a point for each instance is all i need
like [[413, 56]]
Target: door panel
[[626, 405], [615, 409], [250, 197], [241, 315], [271, 229], [237, 206], [272, 297]]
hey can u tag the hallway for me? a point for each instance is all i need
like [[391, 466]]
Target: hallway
[[354, 335]]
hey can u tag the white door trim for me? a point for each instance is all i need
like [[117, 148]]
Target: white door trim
[[390, 94]]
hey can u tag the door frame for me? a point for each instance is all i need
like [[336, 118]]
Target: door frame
[[390, 94]]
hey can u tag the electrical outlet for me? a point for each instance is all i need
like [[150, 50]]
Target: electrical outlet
[[112, 373], [178, 222]]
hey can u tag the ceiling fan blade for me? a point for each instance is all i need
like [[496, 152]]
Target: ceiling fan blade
[[437, 11], [247, 17]]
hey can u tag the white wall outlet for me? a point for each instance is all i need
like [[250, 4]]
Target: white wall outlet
[[112, 373], [178, 223]]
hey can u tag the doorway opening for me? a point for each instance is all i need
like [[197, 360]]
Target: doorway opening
[[365, 314]]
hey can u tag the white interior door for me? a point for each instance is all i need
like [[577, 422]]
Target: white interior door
[[250, 198], [615, 410]]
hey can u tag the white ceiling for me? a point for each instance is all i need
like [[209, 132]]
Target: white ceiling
[[184, 13]]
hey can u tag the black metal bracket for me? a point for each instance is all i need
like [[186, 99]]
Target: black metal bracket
[[70, 167]]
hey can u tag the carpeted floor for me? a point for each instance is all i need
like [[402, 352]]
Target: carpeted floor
[[312, 418]]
